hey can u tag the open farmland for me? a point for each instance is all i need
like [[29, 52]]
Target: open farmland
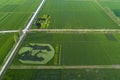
[[80, 49], [81, 40], [6, 43], [76, 14], [14, 14], [63, 74]]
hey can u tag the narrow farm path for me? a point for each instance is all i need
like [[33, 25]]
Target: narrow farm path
[[74, 30], [9, 31], [65, 30], [68, 67]]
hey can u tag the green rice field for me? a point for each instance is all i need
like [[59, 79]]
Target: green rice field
[[63, 74], [76, 14], [15, 14], [6, 43], [82, 48]]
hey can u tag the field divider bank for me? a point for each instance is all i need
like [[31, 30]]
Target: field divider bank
[[74, 30], [10, 31], [21, 38], [68, 67], [64, 30]]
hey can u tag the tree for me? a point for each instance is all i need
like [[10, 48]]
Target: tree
[[38, 24]]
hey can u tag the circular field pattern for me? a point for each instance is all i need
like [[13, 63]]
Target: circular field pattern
[[35, 53]]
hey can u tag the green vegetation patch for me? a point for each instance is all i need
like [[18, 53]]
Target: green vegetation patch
[[117, 12], [6, 43], [42, 22], [62, 74], [36, 53], [8, 8], [91, 74], [110, 37]]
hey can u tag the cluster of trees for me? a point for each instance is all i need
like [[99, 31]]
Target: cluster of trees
[[42, 22]]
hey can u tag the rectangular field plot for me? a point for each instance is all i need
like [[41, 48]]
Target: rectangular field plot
[[76, 14], [14, 14], [6, 44], [64, 74], [78, 49]]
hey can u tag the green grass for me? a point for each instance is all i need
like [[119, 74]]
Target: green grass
[[14, 14], [80, 49], [64, 74], [6, 43], [76, 14]]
